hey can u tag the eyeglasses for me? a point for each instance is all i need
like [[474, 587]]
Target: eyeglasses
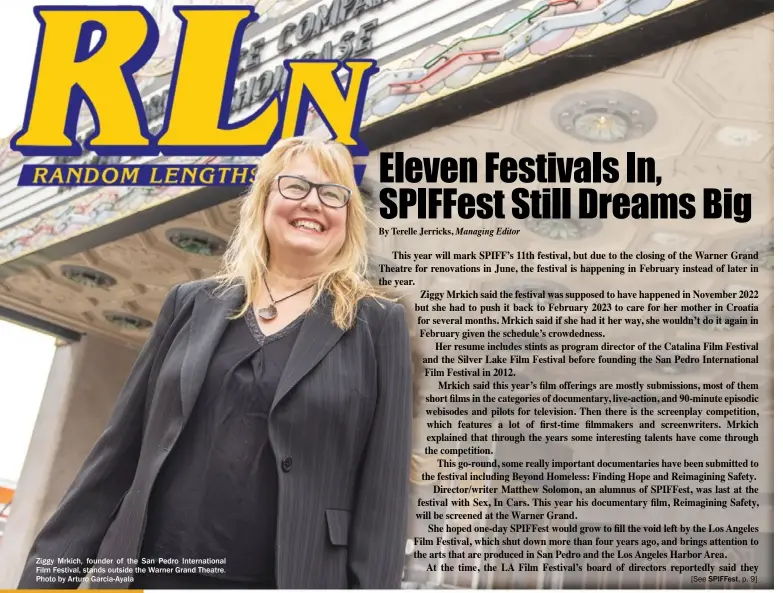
[[293, 187]]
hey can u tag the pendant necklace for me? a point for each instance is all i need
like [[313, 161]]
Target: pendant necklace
[[270, 312]]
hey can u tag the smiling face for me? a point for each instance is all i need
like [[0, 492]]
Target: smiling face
[[304, 228]]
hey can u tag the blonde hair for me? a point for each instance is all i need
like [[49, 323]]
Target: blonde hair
[[247, 256]]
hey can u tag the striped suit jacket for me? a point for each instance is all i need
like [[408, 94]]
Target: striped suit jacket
[[340, 429]]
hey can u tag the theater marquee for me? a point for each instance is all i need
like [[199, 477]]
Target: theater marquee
[[340, 30], [426, 50]]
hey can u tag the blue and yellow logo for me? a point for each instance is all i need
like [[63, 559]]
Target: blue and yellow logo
[[69, 73]]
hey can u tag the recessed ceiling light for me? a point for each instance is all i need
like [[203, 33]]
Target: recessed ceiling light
[[669, 238], [369, 191], [127, 321], [738, 287], [87, 276], [734, 137], [604, 116], [566, 229], [196, 241], [763, 247]]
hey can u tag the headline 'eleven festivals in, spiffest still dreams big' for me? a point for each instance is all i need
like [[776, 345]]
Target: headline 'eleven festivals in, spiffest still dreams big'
[[548, 202]]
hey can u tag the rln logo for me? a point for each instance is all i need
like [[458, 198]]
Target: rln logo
[[71, 70]]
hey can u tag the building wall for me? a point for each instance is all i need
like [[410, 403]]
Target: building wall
[[83, 385]]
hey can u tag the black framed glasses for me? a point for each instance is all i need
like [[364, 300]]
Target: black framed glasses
[[293, 187]]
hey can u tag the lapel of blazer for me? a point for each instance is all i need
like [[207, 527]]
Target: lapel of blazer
[[316, 337], [207, 324]]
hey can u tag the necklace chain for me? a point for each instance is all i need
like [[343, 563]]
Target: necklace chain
[[270, 312], [274, 302]]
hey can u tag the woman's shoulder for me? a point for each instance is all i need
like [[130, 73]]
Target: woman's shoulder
[[186, 291], [376, 310]]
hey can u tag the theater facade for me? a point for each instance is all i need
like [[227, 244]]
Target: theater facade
[[688, 81]]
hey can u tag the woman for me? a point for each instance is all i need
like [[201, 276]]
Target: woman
[[263, 437]]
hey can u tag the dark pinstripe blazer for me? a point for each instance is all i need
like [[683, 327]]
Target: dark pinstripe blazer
[[340, 429]]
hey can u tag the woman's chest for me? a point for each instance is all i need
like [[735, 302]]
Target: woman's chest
[[258, 376]]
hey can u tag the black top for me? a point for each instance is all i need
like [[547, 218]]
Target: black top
[[216, 495]]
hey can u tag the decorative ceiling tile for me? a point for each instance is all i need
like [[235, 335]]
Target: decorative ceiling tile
[[47, 292], [490, 120], [730, 74], [737, 141], [655, 65], [147, 264], [644, 114]]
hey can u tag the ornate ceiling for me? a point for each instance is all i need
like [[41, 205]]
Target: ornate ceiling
[[702, 109]]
